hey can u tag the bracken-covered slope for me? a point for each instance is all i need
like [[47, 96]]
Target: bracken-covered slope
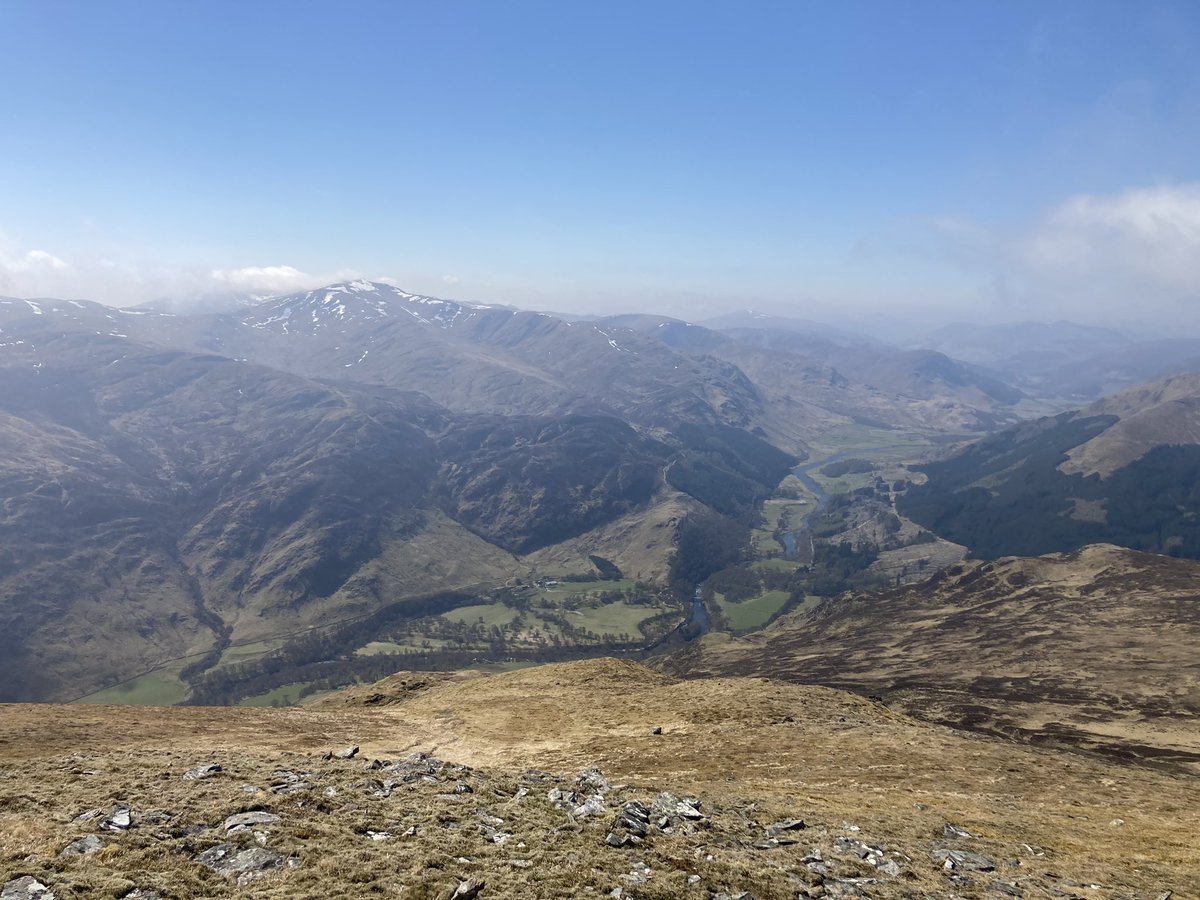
[[1124, 470], [538, 783], [1094, 649]]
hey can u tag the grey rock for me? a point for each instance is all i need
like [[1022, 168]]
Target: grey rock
[[25, 888], [88, 816], [348, 753], [785, 825], [468, 890], [142, 894], [593, 806], [85, 846], [120, 819], [245, 865], [1003, 887], [592, 779], [254, 817], [201, 772], [951, 830], [963, 859]]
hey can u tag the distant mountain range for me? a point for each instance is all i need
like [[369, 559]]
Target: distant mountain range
[[176, 482]]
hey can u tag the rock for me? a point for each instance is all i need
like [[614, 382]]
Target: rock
[[657, 730], [25, 888], [254, 817], [140, 894], [963, 859], [951, 830], [468, 890], [201, 772], [120, 819], [87, 816], [85, 846], [348, 753], [634, 817], [785, 825], [1117, 823], [462, 787], [246, 865], [379, 835], [593, 806], [693, 880], [1003, 887], [592, 779]]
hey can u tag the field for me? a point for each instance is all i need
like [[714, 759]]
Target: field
[[238, 653], [161, 687], [488, 614], [753, 613]]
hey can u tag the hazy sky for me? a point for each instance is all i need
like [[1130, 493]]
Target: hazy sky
[[981, 159]]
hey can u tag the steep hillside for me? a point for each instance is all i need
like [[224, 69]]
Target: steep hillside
[[599, 778], [1094, 650], [1123, 470], [161, 504]]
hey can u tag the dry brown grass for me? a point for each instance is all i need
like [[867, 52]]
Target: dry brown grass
[[753, 750]]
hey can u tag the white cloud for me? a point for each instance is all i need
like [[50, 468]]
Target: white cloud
[[41, 273], [1116, 257], [450, 279], [272, 279]]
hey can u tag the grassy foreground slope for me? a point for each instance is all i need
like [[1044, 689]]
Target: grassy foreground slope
[[875, 789]]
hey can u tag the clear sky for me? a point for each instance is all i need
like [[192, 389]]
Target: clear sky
[[982, 159]]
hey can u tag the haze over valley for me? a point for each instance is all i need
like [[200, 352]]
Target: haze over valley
[[479, 452]]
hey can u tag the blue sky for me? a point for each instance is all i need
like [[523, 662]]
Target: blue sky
[[974, 159]]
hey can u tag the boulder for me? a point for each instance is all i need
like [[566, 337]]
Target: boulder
[[85, 846], [254, 817], [201, 772], [25, 888]]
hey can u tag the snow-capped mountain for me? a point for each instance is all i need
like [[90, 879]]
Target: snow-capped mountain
[[353, 303]]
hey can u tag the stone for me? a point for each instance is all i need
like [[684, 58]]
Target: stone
[[657, 730], [142, 894], [25, 888], [1003, 887], [592, 779], [963, 859], [245, 865], [201, 772], [951, 830], [348, 753], [254, 817], [785, 825], [593, 806], [85, 846], [120, 819], [468, 890]]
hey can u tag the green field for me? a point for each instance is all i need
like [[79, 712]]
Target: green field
[[288, 695], [161, 687], [775, 565], [615, 618], [754, 613], [237, 653]]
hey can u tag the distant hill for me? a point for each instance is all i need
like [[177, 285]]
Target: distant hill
[[1123, 470], [1095, 650]]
